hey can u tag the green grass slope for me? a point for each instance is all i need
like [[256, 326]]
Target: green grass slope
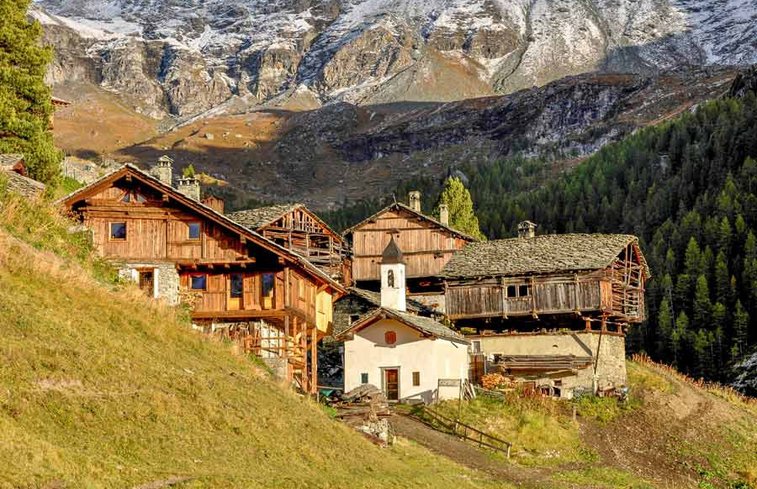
[[100, 387]]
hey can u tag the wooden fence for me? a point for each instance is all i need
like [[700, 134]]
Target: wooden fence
[[461, 430]]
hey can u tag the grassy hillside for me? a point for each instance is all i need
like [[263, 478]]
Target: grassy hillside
[[101, 388], [671, 433]]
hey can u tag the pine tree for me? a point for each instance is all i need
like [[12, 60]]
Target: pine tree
[[740, 330], [722, 279], [702, 304], [692, 263], [665, 331], [680, 332], [460, 205], [25, 104]]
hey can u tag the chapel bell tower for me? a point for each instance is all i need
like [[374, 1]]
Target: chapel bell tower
[[393, 278]]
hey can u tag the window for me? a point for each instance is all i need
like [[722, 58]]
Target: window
[[518, 291], [118, 230], [198, 282], [268, 281], [364, 378], [354, 317], [475, 346], [416, 379], [133, 196], [194, 230], [237, 285], [390, 278], [390, 337]]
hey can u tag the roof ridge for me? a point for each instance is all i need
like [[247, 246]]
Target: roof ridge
[[413, 211]]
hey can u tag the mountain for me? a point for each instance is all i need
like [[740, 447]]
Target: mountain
[[185, 57], [342, 153]]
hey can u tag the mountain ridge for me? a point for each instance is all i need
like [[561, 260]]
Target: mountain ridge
[[182, 58]]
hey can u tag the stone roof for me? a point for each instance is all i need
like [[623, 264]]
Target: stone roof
[[25, 186], [392, 253], [551, 253], [425, 326], [257, 218], [400, 206], [9, 160]]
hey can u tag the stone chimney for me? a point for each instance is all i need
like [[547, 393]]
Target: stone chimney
[[444, 214], [414, 199], [163, 170], [393, 278], [526, 229], [189, 186]]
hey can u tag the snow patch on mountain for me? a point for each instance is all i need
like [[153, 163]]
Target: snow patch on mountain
[[350, 49]]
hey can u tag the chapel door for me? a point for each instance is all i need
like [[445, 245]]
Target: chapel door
[[392, 384]]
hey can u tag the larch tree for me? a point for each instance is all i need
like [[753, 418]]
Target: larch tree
[[460, 205], [25, 105]]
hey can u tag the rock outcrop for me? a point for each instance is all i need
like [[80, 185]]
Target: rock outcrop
[[185, 56]]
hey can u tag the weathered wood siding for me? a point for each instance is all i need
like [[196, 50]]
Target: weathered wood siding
[[426, 247], [524, 296], [155, 229], [299, 296]]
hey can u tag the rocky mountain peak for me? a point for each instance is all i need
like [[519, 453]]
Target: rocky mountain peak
[[183, 57]]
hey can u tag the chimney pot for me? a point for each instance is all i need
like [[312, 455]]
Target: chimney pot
[[414, 198], [527, 229], [163, 170], [189, 186], [444, 214]]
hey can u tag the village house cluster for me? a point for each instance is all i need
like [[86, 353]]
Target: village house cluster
[[401, 300]]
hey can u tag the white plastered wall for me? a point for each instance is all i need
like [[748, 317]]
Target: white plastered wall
[[435, 359]]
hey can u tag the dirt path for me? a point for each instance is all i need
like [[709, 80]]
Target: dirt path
[[648, 441], [468, 455]]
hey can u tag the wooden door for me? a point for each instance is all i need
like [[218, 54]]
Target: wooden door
[[234, 291], [392, 384]]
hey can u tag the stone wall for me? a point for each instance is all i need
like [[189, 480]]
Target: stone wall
[[608, 354], [166, 279]]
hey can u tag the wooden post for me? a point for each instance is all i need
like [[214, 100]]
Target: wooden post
[[304, 352], [314, 360], [286, 338]]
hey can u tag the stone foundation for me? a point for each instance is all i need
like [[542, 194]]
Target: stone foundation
[[165, 279]]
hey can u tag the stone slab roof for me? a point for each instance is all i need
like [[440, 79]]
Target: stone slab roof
[[257, 218], [25, 186], [426, 326], [8, 161], [552, 253]]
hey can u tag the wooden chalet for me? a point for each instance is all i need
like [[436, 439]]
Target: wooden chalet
[[297, 228], [235, 280], [427, 245], [552, 280]]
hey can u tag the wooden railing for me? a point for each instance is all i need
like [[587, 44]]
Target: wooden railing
[[461, 430]]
